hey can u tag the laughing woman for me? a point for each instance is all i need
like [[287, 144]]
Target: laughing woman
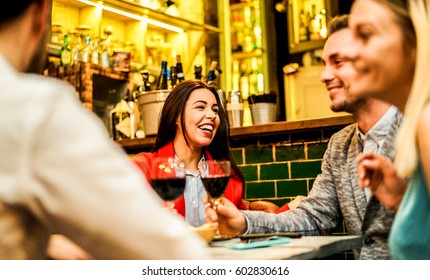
[[194, 127]]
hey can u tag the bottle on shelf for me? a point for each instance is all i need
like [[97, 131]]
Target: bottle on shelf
[[314, 24], [86, 50], [162, 79], [248, 41], [174, 72], [303, 27], [179, 70], [146, 83], [236, 75], [256, 28], [66, 54], [198, 72], [121, 121], [211, 77], [106, 54], [169, 78], [95, 52]]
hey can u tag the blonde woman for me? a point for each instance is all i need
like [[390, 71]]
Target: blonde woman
[[398, 29]]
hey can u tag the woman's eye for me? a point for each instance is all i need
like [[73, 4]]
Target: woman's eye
[[364, 35], [201, 107], [216, 110]]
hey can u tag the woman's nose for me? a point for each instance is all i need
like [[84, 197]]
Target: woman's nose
[[210, 114]]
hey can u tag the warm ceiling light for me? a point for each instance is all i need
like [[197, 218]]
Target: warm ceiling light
[[133, 16]]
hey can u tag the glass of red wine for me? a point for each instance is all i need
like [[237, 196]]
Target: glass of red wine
[[168, 179], [215, 175]]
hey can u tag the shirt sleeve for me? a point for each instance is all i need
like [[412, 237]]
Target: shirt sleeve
[[83, 185]]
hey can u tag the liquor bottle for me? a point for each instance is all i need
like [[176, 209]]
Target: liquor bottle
[[106, 53], [174, 72], [198, 72], [211, 77], [253, 77], [66, 55], [95, 52], [146, 83], [120, 121], [179, 71], [236, 75], [303, 27], [314, 24], [256, 28], [86, 51], [162, 79], [169, 78], [248, 43]]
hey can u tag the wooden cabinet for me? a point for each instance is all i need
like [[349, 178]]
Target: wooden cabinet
[[305, 96]]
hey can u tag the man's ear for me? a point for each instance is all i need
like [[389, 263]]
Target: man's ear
[[42, 12]]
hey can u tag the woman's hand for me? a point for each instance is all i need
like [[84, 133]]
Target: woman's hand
[[229, 219], [378, 173]]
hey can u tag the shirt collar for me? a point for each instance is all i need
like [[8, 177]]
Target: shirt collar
[[380, 130]]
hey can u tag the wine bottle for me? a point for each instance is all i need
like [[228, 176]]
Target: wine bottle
[[213, 73], [162, 79], [66, 55], [121, 121], [174, 75], [86, 51], [198, 72], [179, 70], [146, 82]]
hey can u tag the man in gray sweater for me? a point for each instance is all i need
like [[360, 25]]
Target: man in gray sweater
[[336, 192]]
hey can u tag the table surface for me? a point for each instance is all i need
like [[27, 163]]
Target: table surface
[[304, 248]]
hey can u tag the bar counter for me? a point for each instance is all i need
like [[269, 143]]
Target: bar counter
[[274, 128]]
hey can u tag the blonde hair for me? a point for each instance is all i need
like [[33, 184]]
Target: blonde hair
[[407, 156]]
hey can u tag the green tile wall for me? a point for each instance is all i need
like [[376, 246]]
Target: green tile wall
[[279, 168]]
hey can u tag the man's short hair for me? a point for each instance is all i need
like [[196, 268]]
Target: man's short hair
[[337, 23], [12, 9]]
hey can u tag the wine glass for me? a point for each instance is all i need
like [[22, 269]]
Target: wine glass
[[215, 175], [168, 179]]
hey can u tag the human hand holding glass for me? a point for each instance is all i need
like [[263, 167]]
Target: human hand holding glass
[[168, 179], [215, 175]]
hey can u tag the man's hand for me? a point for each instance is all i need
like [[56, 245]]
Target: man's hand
[[229, 219], [378, 173]]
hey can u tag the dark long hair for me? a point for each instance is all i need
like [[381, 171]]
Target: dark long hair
[[174, 107]]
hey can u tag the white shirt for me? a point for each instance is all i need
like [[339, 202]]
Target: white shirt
[[374, 139], [58, 163]]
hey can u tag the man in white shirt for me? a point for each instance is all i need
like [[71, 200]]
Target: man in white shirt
[[59, 170]]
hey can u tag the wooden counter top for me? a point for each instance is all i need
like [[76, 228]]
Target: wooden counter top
[[257, 130]]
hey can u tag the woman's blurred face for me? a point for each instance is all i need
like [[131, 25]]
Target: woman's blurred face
[[384, 69], [201, 118]]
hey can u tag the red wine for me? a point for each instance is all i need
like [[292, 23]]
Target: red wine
[[169, 189], [215, 186]]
